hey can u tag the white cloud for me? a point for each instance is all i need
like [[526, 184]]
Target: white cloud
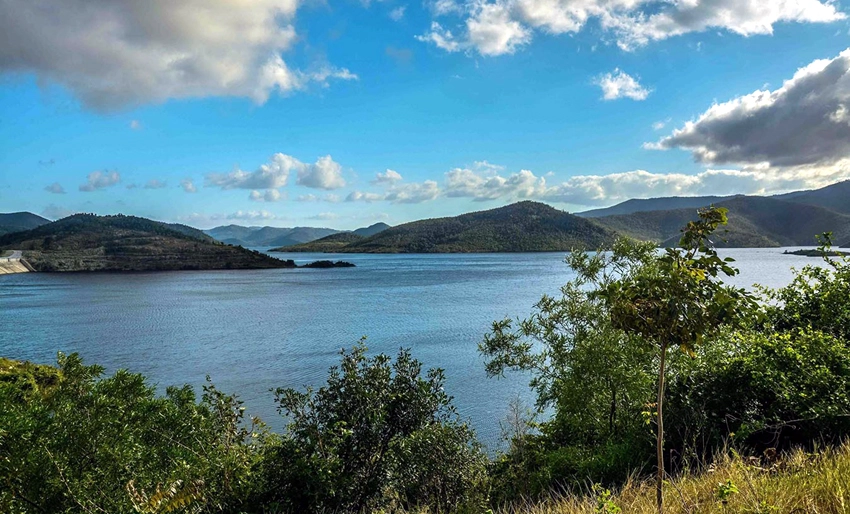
[[414, 192], [308, 198], [270, 195], [100, 180], [398, 13], [800, 123], [271, 175], [135, 125], [55, 188], [155, 184], [54, 212], [441, 38], [360, 196], [387, 177], [325, 216], [498, 27], [619, 84], [122, 52], [188, 186], [251, 215], [487, 185], [324, 174]]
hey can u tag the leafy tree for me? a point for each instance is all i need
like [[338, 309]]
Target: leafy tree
[[378, 434], [626, 304]]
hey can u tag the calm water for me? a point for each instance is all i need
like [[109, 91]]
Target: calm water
[[255, 330]]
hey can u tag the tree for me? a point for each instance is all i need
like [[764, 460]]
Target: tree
[[624, 307], [677, 300]]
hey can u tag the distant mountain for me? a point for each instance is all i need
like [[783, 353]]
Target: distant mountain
[[654, 204], [85, 242], [328, 244], [754, 221], [267, 236], [835, 197], [18, 221], [520, 227], [371, 230], [335, 242]]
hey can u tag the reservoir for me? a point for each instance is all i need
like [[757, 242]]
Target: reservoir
[[251, 331]]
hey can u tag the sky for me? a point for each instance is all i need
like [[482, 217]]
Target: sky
[[343, 113]]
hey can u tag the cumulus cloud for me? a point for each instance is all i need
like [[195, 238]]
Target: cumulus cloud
[[122, 52], [54, 212], [188, 185], [387, 177], [325, 216], [271, 175], [360, 196], [324, 174], [99, 180], [413, 192], [55, 188], [155, 184], [486, 185], [619, 84], [804, 122], [398, 13], [251, 215], [499, 27], [270, 195]]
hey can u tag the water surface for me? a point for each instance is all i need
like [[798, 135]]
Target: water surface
[[256, 330]]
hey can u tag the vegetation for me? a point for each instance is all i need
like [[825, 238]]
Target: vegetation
[[753, 222], [327, 244], [815, 253], [520, 227], [19, 221], [758, 387], [267, 236], [85, 242]]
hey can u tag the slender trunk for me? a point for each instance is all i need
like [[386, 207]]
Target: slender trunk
[[659, 443]]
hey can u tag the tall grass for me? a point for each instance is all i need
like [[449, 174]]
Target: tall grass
[[799, 482]]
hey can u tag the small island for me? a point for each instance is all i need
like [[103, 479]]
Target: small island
[[815, 252], [328, 264]]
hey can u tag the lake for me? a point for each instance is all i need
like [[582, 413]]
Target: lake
[[256, 330]]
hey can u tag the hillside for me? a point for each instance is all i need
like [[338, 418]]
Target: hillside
[[328, 244], [835, 197], [754, 221], [520, 227], [371, 230], [86, 242], [267, 236], [18, 221], [654, 204]]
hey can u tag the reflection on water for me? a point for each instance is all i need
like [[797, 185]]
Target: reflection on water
[[256, 330]]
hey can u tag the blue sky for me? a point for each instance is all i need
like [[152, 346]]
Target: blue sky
[[346, 113]]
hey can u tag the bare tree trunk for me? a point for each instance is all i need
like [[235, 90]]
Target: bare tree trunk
[[659, 443]]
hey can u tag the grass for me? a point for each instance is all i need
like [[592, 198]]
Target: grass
[[800, 482]]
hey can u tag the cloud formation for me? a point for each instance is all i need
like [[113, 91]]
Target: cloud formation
[[387, 177], [804, 122], [123, 52], [619, 84], [498, 27], [324, 174], [100, 180], [251, 215], [270, 195], [155, 184], [188, 186], [55, 188], [271, 175]]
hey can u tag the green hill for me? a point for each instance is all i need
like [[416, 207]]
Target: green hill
[[19, 221], [85, 242], [328, 244], [371, 230], [835, 197], [754, 221], [654, 204], [521, 227], [267, 236]]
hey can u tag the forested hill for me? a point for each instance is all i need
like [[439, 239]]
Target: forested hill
[[521, 227], [754, 221], [18, 221], [86, 242]]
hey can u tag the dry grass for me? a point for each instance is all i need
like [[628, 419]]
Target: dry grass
[[797, 483]]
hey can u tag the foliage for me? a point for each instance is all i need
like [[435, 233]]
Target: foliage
[[74, 444], [816, 298], [378, 434]]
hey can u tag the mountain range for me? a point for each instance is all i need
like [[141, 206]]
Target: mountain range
[[280, 236]]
